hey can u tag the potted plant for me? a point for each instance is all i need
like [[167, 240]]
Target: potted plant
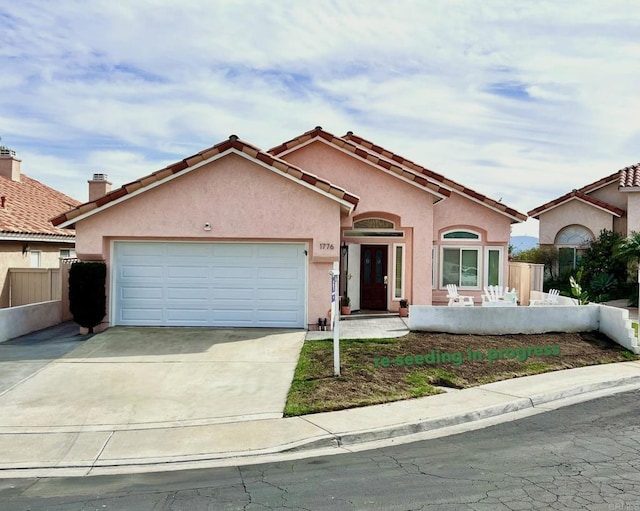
[[404, 308], [345, 305]]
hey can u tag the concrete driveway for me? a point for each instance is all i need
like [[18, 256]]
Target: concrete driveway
[[137, 378]]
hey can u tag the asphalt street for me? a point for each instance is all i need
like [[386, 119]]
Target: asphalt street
[[585, 456]]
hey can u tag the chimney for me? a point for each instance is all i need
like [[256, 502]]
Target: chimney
[[9, 164], [98, 187]]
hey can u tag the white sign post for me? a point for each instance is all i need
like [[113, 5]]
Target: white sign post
[[335, 318]]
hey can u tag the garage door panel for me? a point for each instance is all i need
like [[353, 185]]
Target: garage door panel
[[142, 249], [191, 273], [215, 284], [143, 272], [232, 250], [145, 314], [195, 250], [145, 293]]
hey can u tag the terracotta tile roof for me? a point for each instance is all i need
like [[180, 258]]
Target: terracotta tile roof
[[600, 183], [576, 194], [233, 142], [27, 205], [630, 176], [627, 177], [347, 145], [389, 160]]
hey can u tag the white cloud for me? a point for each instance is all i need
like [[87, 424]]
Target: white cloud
[[523, 101]]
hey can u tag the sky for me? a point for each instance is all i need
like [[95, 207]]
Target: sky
[[521, 101]]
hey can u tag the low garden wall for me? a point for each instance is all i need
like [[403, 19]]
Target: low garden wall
[[24, 319], [611, 321]]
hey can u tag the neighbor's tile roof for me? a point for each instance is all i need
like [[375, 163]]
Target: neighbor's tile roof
[[28, 206], [630, 176], [389, 160], [626, 178], [232, 143], [576, 194]]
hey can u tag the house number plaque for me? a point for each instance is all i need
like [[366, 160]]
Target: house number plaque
[[326, 246]]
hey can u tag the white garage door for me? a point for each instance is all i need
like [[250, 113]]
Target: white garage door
[[209, 284]]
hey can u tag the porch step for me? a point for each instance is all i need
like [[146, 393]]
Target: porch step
[[369, 315]]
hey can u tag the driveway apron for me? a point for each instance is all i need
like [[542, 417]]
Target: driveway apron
[[136, 378]]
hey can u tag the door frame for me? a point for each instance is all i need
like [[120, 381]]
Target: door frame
[[386, 293]]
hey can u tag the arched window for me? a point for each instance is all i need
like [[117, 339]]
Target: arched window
[[572, 241], [461, 235], [373, 223], [574, 235]]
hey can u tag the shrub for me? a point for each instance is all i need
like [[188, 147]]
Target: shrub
[[87, 298]]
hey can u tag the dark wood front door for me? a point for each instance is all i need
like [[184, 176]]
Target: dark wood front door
[[373, 277]]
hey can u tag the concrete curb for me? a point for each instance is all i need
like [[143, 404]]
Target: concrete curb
[[326, 433]]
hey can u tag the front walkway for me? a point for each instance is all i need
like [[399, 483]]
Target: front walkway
[[366, 328]]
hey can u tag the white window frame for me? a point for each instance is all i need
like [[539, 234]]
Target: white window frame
[[434, 267], [395, 298], [480, 264], [465, 240], [500, 268], [35, 253]]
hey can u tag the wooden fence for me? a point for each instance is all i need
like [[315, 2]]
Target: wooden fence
[[526, 277], [35, 285]]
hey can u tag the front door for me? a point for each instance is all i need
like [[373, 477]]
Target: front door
[[373, 277]]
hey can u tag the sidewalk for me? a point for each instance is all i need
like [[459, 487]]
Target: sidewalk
[[72, 451]]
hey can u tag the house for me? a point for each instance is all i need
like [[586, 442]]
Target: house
[[572, 221], [27, 238], [237, 236]]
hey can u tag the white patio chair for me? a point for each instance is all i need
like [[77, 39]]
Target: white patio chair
[[550, 299], [498, 295], [456, 299]]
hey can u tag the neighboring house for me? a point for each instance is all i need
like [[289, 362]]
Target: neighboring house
[[235, 236], [572, 221], [27, 238]]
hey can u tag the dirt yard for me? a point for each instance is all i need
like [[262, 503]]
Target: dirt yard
[[378, 371]]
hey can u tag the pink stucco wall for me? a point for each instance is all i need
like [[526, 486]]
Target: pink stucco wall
[[573, 213], [633, 212], [380, 193], [460, 213], [612, 195], [242, 201]]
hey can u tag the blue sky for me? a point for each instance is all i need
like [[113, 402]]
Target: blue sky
[[522, 101]]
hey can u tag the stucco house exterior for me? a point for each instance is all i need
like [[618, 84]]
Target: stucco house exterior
[[237, 236], [27, 238], [572, 221]]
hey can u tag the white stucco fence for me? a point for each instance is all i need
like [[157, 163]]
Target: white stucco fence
[[611, 321], [17, 321]]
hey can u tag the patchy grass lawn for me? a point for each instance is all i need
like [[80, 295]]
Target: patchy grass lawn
[[381, 370]]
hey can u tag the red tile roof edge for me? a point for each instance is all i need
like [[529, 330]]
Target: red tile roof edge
[[438, 177], [342, 143], [576, 194], [630, 176], [232, 143], [387, 158], [600, 183]]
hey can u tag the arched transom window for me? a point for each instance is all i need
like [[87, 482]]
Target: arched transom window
[[574, 235]]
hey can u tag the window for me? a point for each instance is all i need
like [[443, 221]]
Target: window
[[67, 253], [569, 258], [398, 272], [493, 268], [373, 223], [572, 241], [35, 258], [460, 266], [461, 235]]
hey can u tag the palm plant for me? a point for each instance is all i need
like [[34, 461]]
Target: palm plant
[[629, 250]]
